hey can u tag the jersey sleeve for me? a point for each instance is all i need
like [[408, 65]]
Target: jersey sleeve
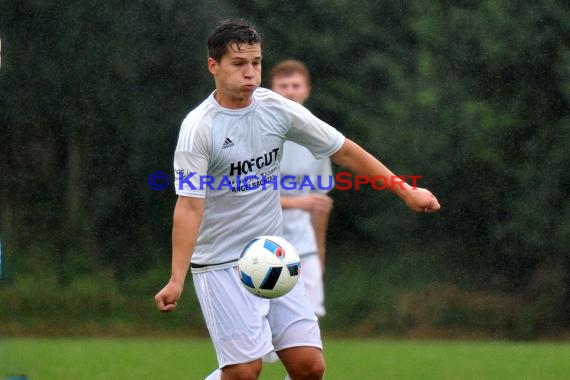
[[191, 158], [325, 171], [321, 139]]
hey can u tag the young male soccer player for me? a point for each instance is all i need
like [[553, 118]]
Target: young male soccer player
[[306, 210], [239, 130]]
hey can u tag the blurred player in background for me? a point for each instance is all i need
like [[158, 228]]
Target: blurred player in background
[[305, 211]]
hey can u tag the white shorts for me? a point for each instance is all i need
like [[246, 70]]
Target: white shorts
[[244, 327], [312, 277]]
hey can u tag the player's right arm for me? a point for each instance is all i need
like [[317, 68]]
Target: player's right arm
[[188, 214]]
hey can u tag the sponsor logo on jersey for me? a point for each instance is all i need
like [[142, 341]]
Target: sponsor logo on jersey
[[246, 166]]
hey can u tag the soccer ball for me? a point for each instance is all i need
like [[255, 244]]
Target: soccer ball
[[269, 266]]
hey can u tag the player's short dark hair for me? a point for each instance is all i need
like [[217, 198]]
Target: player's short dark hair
[[289, 67], [229, 32]]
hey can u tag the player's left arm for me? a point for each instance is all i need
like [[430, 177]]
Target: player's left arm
[[354, 158]]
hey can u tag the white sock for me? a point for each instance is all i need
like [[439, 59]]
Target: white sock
[[216, 375]]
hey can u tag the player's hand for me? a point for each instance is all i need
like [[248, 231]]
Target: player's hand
[[167, 298], [421, 200]]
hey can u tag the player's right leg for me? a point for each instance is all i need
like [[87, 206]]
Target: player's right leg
[[245, 371], [270, 358], [216, 375], [236, 321], [238, 371]]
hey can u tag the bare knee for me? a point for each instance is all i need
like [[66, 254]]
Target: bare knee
[[310, 371], [303, 363], [245, 371], [314, 371]]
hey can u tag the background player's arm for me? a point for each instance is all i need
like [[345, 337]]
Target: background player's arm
[[353, 157], [186, 224], [311, 203], [319, 206], [320, 222]]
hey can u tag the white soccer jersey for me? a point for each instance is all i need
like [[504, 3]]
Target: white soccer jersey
[[231, 157], [317, 176]]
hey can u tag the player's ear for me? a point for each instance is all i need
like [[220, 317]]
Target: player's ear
[[212, 66]]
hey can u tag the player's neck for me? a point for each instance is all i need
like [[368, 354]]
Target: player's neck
[[232, 102]]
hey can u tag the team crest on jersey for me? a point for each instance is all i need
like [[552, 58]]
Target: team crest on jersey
[[227, 143]]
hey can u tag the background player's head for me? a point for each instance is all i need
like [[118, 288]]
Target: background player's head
[[291, 78]]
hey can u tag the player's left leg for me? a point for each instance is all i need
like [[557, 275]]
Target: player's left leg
[[296, 335], [303, 363]]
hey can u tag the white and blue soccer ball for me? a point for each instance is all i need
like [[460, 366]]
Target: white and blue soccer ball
[[269, 266]]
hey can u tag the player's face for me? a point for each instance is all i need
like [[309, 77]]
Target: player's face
[[237, 75], [293, 86]]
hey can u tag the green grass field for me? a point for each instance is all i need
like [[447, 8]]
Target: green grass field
[[146, 358]]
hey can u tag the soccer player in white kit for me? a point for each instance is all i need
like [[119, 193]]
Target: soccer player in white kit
[[306, 210], [237, 132]]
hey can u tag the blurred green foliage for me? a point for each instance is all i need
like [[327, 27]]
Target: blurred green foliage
[[471, 95]]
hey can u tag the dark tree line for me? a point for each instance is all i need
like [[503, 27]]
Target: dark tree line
[[471, 95]]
